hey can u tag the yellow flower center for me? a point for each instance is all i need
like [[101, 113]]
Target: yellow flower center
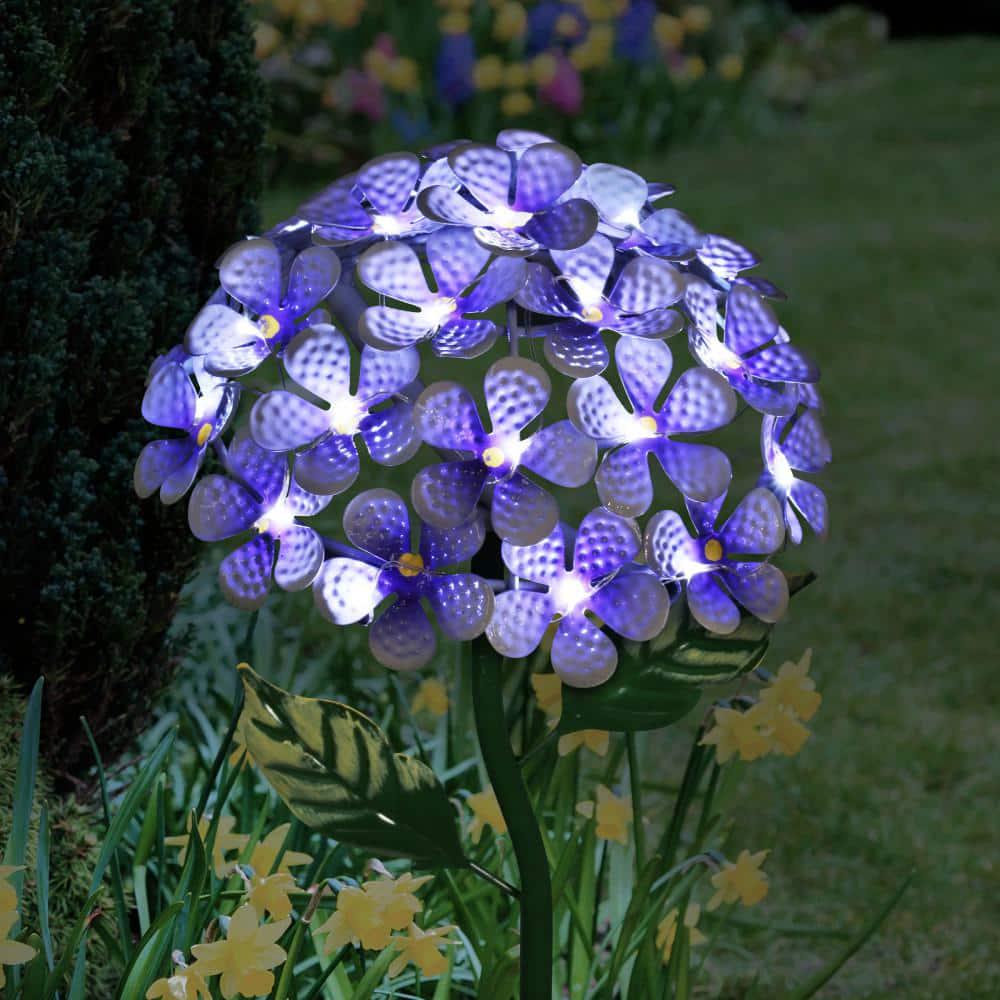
[[269, 326], [713, 550], [592, 314], [648, 424], [411, 563], [493, 458], [263, 526], [203, 434]]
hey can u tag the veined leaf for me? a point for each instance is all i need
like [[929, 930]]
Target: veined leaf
[[337, 773]]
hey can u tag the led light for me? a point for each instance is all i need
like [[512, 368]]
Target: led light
[[439, 310], [508, 218], [592, 314], [493, 457], [568, 592], [386, 225], [721, 357], [204, 433], [411, 564], [345, 416], [713, 550], [277, 520], [269, 326], [782, 471]]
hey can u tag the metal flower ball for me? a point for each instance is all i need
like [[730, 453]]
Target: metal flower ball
[[520, 252]]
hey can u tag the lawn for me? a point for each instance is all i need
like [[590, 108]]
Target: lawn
[[878, 212]]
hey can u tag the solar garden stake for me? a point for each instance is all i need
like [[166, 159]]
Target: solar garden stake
[[520, 254]]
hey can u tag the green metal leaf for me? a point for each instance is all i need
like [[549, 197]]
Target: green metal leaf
[[336, 771]]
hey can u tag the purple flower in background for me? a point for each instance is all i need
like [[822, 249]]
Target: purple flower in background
[[552, 23], [319, 360], [349, 590], [516, 390], [636, 305], [793, 444], [699, 400], [754, 353], [201, 408], [456, 262], [634, 37], [455, 64], [258, 495], [378, 201], [275, 303], [604, 581], [533, 217], [713, 564]]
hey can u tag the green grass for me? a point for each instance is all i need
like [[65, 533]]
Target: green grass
[[878, 212]]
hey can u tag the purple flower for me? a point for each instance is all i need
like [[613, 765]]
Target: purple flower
[[549, 25], [319, 360], [533, 217], [456, 262], [258, 495], [754, 353], [699, 400], [274, 301], [793, 444], [634, 38], [455, 64], [604, 581], [183, 396], [713, 563], [635, 306], [517, 390], [378, 201], [622, 198], [349, 590]]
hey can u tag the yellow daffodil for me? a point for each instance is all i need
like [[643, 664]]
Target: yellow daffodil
[[422, 949], [568, 25], [266, 40], [595, 740], [785, 734], [596, 49], [225, 841], [346, 13], [794, 689], [395, 898], [516, 75], [240, 753], [735, 733], [510, 22], [731, 66], [543, 71], [455, 22], [358, 920], [265, 853], [245, 956], [669, 31], [11, 952], [603, 10], [485, 812], [694, 68], [271, 894], [696, 19], [613, 814], [548, 694], [403, 75], [376, 63], [666, 930], [8, 895], [516, 104], [743, 881], [185, 984], [488, 73], [431, 697]]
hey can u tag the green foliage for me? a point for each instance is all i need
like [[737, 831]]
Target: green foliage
[[130, 136]]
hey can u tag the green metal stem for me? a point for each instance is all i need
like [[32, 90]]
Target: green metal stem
[[522, 827]]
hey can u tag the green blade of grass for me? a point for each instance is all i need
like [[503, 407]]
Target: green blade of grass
[[24, 786], [42, 875]]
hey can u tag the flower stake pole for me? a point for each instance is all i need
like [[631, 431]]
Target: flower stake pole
[[519, 814]]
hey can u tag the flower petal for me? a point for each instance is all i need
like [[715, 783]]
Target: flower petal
[[700, 400], [516, 392], [250, 271], [582, 655], [657, 323], [236, 361], [519, 139], [702, 304], [502, 281], [618, 194], [700, 471], [329, 468], [390, 434], [319, 359], [455, 258], [312, 276], [669, 548], [710, 605], [634, 604], [401, 638], [378, 522], [647, 283], [542, 562], [561, 454], [394, 269], [671, 232], [569, 224], [644, 367], [336, 204], [157, 461], [300, 556], [282, 421], [442, 547], [520, 618], [755, 527], [180, 480], [587, 268], [217, 328], [446, 417], [264, 471], [775, 398], [545, 171], [443, 204], [384, 373], [245, 574], [446, 494], [170, 399], [725, 257], [522, 512], [541, 293], [347, 590], [464, 338], [604, 543], [575, 349], [750, 321], [597, 411], [623, 481], [220, 508], [486, 171], [810, 501], [387, 328], [782, 363], [463, 604], [805, 443], [303, 502], [388, 181], [763, 591]]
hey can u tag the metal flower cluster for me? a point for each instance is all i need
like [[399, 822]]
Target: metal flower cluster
[[521, 252]]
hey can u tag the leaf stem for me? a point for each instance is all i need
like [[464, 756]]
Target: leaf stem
[[638, 829]]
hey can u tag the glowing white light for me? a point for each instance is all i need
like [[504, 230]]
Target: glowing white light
[[568, 592], [387, 225], [345, 415], [628, 216], [721, 357], [641, 428], [438, 311], [207, 407], [591, 296], [782, 471], [505, 217], [277, 520]]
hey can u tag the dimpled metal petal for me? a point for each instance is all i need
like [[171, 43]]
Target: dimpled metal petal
[[669, 548], [582, 655], [440, 547], [522, 512], [597, 411], [561, 454], [388, 181], [711, 606], [644, 367], [158, 461], [541, 293], [304, 503], [218, 328], [245, 574], [236, 361], [805, 443], [671, 232], [763, 591], [385, 372], [390, 434], [647, 283], [588, 267], [446, 417], [623, 481], [330, 467], [563, 227], [347, 590], [455, 259], [501, 281], [170, 399], [446, 494], [755, 527], [519, 139], [700, 400], [393, 269], [725, 257], [782, 363], [750, 321], [178, 482], [462, 604], [386, 328], [575, 349], [810, 500], [282, 421], [311, 278], [300, 555], [250, 271], [264, 471], [542, 562], [442, 204], [378, 522], [464, 338], [401, 638], [656, 323], [699, 471], [604, 543], [618, 194], [519, 621], [516, 392], [319, 360], [544, 172], [485, 171], [220, 508], [702, 304], [634, 604]]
